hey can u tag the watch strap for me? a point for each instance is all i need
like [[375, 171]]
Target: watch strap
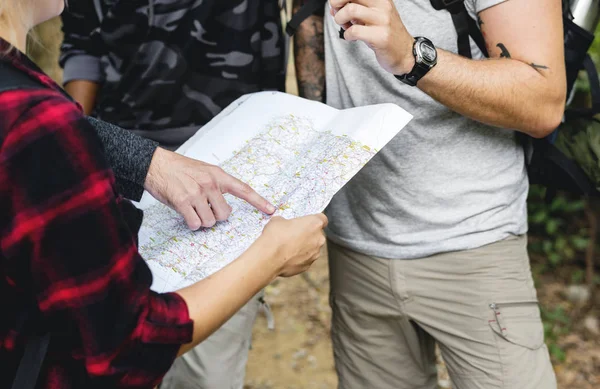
[[417, 72]]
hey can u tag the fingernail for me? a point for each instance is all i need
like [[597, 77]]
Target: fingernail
[[271, 208]]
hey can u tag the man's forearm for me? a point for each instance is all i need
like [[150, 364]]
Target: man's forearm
[[502, 92], [128, 155], [524, 91], [84, 92], [309, 56]]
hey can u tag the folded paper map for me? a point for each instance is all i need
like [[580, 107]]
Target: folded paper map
[[294, 152]]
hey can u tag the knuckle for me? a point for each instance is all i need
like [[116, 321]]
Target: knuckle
[[245, 188], [181, 200], [217, 170], [322, 241], [385, 37], [386, 19], [351, 34], [352, 9], [212, 184], [223, 214], [205, 180]]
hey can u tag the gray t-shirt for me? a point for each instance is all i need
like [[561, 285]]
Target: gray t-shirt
[[445, 183]]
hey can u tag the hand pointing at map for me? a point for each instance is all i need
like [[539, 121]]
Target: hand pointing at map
[[195, 189]]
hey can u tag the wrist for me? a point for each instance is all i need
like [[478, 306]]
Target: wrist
[[155, 170], [407, 62], [424, 59], [270, 255]]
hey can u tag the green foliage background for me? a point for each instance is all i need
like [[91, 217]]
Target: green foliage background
[[559, 236]]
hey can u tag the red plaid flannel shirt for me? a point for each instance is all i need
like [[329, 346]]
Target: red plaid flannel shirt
[[64, 244]]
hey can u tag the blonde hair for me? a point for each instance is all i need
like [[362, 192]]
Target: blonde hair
[[14, 15]]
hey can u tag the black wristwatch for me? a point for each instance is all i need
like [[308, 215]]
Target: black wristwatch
[[425, 59]]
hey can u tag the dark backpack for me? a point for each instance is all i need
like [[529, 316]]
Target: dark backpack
[[569, 158]]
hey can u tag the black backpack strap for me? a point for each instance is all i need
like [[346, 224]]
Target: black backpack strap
[[12, 78], [311, 7], [594, 81], [551, 168], [465, 26], [31, 362]]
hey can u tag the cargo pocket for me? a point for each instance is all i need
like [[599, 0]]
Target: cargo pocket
[[518, 323]]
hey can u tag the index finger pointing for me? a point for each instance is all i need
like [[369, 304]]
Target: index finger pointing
[[245, 192]]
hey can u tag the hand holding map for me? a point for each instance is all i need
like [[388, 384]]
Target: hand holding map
[[295, 153]]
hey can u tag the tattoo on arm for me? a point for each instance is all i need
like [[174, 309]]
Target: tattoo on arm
[[309, 52], [505, 53], [479, 20]]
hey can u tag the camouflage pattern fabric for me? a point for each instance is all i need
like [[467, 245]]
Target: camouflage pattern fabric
[[172, 64], [579, 140]]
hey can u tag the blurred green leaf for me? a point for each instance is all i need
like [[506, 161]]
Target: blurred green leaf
[[574, 206], [579, 242], [561, 243], [547, 246], [552, 226], [539, 217], [554, 258], [569, 252], [577, 276], [557, 353], [559, 203]]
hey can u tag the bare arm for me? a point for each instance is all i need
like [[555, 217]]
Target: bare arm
[[309, 55], [84, 92], [523, 86], [286, 248], [212, 301], [524, 90]]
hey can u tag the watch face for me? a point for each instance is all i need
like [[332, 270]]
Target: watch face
[[428, 52]]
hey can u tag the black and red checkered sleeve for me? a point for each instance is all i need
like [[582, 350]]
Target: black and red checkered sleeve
[[64, 237]]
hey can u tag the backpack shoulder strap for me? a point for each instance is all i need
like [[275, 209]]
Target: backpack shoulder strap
[[11, 78], [310, 7], [35, 349], [31, 362], [465, 26]]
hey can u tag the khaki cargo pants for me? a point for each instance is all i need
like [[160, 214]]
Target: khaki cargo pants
[[480, 306]]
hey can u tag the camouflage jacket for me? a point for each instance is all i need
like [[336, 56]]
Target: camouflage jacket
[[168, 66]]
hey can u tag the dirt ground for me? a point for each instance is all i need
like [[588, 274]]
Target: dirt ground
[[298, 355]]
